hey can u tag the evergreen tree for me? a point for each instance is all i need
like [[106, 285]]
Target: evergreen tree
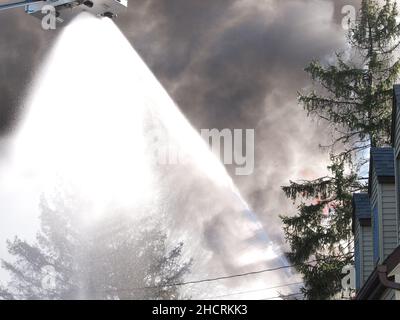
[[114, 258], [354, 97]]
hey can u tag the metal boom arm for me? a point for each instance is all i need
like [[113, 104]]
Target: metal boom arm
[[18, 4]]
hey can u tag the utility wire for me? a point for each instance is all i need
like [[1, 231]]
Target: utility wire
[[284, 296], [212, 279], [256, 290], [205, 280], [178, 284]]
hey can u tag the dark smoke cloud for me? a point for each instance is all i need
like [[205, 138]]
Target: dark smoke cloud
[[239, 64], [23, 45], [227, 64]]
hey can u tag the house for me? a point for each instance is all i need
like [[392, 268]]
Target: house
[[376, 221], [396, 147], [362, 230], [383, 203]]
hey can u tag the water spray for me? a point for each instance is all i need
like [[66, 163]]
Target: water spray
[[108, 159]]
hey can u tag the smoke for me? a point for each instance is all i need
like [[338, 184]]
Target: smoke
[[102, 142], [239, 64], [227, 64]]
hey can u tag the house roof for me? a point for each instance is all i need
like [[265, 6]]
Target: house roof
[[361, 209], [373, 288], [382, 161], [361, 205]]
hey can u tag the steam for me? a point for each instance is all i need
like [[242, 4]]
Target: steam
[[95, 124]]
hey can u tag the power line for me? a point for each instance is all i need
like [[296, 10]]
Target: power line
[[214, 279], [205, 280], [178, 284], [256, 290], [284, 296]]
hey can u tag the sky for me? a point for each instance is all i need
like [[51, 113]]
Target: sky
[[235, 64]]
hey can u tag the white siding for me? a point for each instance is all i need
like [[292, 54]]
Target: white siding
[[389, 294], [397, 132], [397, 163], [397, 170], [367, 253], [374, 190], [359, 269], [389, 219], [375, 203]]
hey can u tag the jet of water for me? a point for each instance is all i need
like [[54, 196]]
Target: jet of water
[[99, 123]]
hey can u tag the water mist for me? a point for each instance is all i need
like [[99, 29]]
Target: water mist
[[98, 124]]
